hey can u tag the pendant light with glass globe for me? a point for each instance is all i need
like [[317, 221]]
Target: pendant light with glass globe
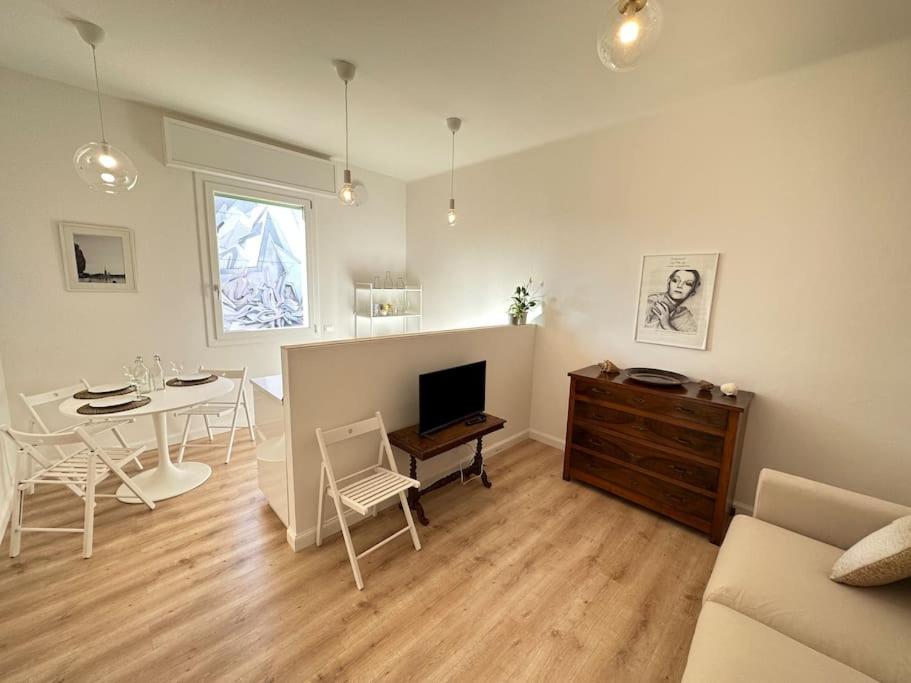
[[632, 27], [101, 165], [454, 124], [346, 195]]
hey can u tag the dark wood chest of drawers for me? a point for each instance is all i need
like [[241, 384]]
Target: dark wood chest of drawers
[[673, 450]]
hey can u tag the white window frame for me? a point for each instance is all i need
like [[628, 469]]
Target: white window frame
[[206, 189]]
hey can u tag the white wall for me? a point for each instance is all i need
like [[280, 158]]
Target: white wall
[[50, 337], [801, 181], [336, 383]]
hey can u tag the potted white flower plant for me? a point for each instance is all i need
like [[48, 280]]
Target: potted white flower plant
[[524, 299]]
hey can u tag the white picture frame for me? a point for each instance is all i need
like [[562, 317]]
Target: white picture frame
[[104, 261], [674, 304]]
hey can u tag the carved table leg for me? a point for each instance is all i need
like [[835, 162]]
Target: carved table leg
[[414, 495]]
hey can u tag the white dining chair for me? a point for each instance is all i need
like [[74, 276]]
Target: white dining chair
[[370, 487], [84, 469], [35, 401], [211, 409]]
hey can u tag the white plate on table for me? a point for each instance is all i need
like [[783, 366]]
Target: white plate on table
[[107, 388], [194, 377], [112, 402]]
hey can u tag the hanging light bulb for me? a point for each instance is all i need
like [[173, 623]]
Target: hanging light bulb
[[346, 196], [101, 165], [453, 123], [632, 26]]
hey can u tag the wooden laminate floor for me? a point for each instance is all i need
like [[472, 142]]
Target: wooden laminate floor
[[534, 579]]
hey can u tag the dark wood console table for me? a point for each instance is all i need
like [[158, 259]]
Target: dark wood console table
[[425, 447]]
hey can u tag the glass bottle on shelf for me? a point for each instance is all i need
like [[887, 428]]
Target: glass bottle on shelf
[[400, 282], [377, 282], [156, 374], [387, 282]]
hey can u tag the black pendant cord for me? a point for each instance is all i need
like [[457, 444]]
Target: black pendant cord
[[98, 93]]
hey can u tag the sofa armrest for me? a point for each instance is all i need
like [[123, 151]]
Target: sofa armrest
[[827, 513]]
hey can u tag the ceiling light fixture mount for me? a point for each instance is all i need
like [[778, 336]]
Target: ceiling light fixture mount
[[101, 165], [346, 195], [453, 123], [632, 27]]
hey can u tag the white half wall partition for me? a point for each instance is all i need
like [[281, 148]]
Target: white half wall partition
[[334, 383]]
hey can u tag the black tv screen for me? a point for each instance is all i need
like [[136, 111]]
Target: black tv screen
[[448, 396]]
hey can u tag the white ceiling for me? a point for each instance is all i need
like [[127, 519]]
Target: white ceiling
[[519, 72]]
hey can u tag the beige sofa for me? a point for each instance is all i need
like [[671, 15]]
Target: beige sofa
[[770, 612]]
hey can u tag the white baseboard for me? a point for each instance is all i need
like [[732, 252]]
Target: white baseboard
[[549, 439], [307, 537], [743, 508], [175, 439]]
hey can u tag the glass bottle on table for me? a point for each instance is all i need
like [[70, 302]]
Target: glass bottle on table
[[141, 376], [156, 379]]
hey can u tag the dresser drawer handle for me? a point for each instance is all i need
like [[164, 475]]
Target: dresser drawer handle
[[640, 428], [674, 499], [679, 469], [685, 442], [595, 442], [688, 411], [637, 401], [597, 390]]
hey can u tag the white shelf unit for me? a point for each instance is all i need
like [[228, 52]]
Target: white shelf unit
[[407, 303]]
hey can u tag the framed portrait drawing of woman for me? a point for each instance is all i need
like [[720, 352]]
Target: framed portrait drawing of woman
[[675, 299]]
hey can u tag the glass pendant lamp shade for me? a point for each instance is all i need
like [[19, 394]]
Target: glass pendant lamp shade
[[346, 194], [451, 216], [104, 167], [101, 165], [631, 29]]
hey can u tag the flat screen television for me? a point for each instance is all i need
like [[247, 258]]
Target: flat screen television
[[451, 395]]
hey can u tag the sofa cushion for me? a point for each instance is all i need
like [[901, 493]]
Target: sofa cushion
[[729, 647], [880, 558], [781, 579]]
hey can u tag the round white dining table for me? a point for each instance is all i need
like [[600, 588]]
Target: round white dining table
[[168, 479]]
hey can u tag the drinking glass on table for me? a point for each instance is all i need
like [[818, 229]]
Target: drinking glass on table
[[177, 369], [132, 380]]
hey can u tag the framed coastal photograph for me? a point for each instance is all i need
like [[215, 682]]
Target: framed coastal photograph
[[675, 299], [97, 258]]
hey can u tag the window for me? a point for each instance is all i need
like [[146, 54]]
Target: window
[[261, 262]]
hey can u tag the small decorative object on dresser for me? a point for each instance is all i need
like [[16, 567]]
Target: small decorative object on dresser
[[608, 367], [674, 450]]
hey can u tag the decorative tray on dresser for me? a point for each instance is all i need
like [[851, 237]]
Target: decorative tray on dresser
[[674, 450]]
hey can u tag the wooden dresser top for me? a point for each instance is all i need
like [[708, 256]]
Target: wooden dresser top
[[689, 391]]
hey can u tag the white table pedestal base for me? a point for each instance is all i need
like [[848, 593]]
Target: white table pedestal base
[[168, 479], [160, 483]]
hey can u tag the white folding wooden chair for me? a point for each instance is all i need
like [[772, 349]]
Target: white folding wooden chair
[[84, 469], [35, 401], [370, 487], [219, 409]]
